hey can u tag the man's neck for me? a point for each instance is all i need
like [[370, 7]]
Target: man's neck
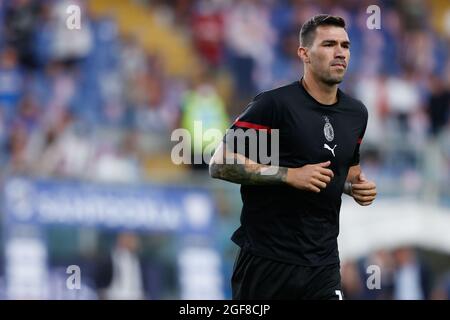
[[323, 93]]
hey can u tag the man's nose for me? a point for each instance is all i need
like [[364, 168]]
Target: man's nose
[[339, 53], [339, 56]]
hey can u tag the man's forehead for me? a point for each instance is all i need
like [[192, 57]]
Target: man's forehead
[[331, 33]]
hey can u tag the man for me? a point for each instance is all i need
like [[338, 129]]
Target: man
[[121, 276], [290, 218]]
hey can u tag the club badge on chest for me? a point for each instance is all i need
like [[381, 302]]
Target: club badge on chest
[[328, 131]]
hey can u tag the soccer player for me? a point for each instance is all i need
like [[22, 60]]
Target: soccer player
[[290, 218]]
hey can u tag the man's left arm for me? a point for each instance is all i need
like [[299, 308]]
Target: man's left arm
[[358, 187]]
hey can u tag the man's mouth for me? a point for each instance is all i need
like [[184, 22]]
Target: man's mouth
[[339, 64]]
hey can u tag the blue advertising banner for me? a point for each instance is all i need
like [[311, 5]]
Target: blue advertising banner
[[29, 205], [141, 207]]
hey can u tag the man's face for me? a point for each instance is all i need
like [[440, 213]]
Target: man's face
[[329, 54]]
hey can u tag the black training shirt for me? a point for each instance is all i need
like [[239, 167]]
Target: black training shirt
[[279, 221]]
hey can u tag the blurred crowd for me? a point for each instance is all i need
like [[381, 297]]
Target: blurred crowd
[[80, 103], [399, 274], [94, 104]]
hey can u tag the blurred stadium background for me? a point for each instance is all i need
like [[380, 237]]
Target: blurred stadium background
[[86, 118]]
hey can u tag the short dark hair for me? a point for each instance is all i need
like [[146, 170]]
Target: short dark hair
[[308, 30]]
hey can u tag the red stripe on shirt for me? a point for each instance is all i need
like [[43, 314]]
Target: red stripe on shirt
[[249, 125], [359, 140]]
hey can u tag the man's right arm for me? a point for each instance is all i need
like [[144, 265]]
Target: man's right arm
[[234, 167]]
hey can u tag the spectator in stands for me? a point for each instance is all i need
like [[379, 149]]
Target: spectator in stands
[[249, 37], [411, 277], [441, 290], [208, 31], [121, 275], [20, 22], [379, 261], [352, 282], [16, 149], [118, 163], [202, 106], [81, 40], [11, 82], [62, 150], [438, 107]]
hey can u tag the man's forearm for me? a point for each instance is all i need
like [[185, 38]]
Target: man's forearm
[[250, 174], [238, 169]]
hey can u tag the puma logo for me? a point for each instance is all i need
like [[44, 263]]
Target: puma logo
[[329, 148]]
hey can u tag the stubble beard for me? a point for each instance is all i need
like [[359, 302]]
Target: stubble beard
[[327, 77], [331, 80]]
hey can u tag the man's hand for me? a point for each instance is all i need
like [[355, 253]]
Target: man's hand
[[364, 191], [310, 177]]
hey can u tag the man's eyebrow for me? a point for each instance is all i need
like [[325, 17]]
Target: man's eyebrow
[[329, 41], [346, 42]]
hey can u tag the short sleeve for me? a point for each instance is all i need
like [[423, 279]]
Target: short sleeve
[[257, 115], [356, 154], [254, 121]]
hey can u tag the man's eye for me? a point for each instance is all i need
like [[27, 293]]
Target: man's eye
[[328, 45]]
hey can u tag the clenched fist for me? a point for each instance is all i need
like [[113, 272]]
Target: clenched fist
[[364, 191], [310, 177]]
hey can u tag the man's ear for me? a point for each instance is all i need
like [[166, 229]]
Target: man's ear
[[303, 54]]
